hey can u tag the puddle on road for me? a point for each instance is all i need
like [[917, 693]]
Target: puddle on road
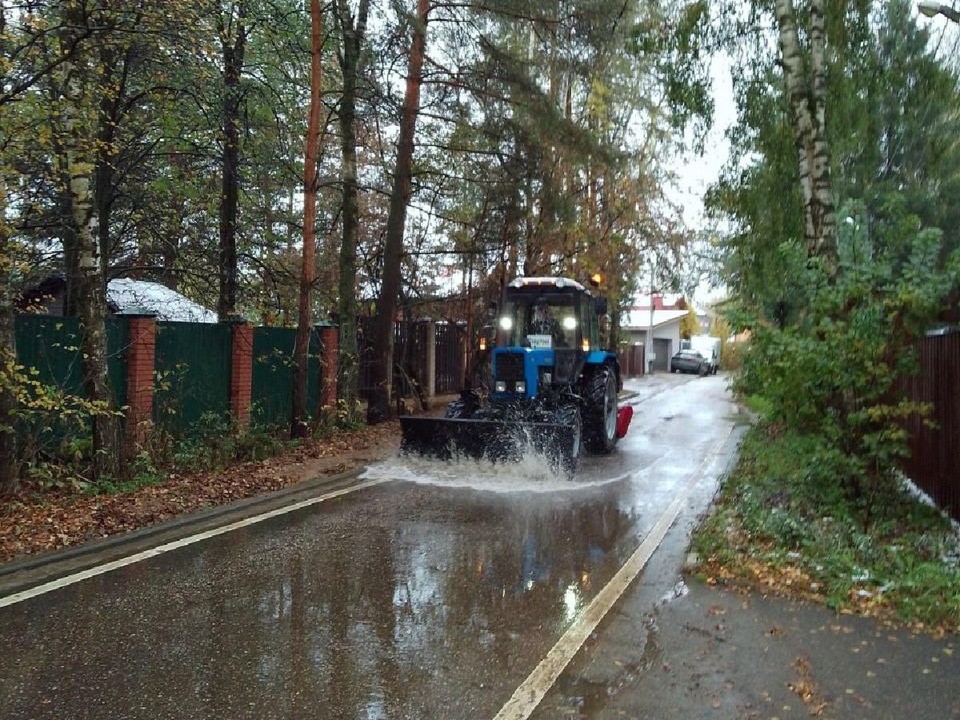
[[530, 474]]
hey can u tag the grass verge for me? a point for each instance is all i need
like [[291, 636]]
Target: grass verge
[[778, 525]]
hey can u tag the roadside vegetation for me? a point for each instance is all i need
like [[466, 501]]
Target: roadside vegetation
[[845, 251], [779, 526], [65, 508], [55, 454], [817, 506]]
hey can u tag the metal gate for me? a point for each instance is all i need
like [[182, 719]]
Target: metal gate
[[450, 358], [365, 350], [631, 361], [193, 367]]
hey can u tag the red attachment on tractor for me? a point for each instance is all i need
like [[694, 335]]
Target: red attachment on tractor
[[624, 416]]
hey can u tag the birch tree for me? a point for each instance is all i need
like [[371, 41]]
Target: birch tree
[[806, 91], [8, 338], [8, 350], [75, 122]]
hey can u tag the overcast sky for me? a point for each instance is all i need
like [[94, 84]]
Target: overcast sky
[[695, 173]]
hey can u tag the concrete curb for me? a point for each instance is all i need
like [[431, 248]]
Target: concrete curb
[[45, 567]]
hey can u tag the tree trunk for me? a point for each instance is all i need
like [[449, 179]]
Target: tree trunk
[[378, 408], [807, 97], [353, 32], [8, 356], [112, 87], [298, 424], [76, 117], [71, 260], [234, 46]]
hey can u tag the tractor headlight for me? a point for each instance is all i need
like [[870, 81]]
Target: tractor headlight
[[521, 387], [501, 386]]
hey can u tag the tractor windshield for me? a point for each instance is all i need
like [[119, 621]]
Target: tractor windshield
[[539, 321]]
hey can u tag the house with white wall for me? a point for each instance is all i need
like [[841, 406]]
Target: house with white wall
[[659, 319]]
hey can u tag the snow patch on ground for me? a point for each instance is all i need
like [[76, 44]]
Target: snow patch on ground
[[916, 492]]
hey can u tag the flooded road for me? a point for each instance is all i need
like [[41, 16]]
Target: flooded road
[[434, 594]]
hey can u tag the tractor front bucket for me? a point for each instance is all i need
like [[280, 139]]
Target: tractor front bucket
[[494, 440]]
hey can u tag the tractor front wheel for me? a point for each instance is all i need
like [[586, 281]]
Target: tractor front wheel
[[600, 415], [569, 415]]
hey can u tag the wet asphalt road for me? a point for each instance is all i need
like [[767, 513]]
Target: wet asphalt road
[[432, 595]]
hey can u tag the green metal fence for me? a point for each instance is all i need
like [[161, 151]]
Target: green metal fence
[[192, 374], [192, 367], [52, 346], [49, 347], [273, 367]]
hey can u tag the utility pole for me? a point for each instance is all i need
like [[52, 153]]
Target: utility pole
[[648, 344]]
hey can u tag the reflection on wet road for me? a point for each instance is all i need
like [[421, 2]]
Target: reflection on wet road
[[429, 597]]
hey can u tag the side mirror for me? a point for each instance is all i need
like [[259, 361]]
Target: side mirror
[[600, 305]]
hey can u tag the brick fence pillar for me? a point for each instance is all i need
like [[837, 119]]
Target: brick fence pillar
[[141, 356], [329, 365], [241, 373]]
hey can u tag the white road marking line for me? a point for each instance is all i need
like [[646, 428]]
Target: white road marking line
[[531, 691], [176, 544]]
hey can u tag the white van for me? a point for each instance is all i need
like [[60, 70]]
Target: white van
[[706, 345]]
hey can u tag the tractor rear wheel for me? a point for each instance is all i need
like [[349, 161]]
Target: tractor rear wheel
[[600, 416]]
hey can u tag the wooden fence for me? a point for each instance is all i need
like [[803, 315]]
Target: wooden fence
[[631, 361], [934, 463]]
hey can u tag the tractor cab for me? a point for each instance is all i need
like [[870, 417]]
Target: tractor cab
[[545, 331]]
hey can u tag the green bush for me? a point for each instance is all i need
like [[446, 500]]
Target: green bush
[[209, 444], [52, 427], [834, 373], [342, 416]]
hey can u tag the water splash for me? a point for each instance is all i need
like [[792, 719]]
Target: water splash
[[531, 473]]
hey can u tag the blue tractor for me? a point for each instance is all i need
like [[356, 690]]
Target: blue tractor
[[553, 388]]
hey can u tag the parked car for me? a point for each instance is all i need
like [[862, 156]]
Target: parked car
[[690, 361], [706, 345]]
